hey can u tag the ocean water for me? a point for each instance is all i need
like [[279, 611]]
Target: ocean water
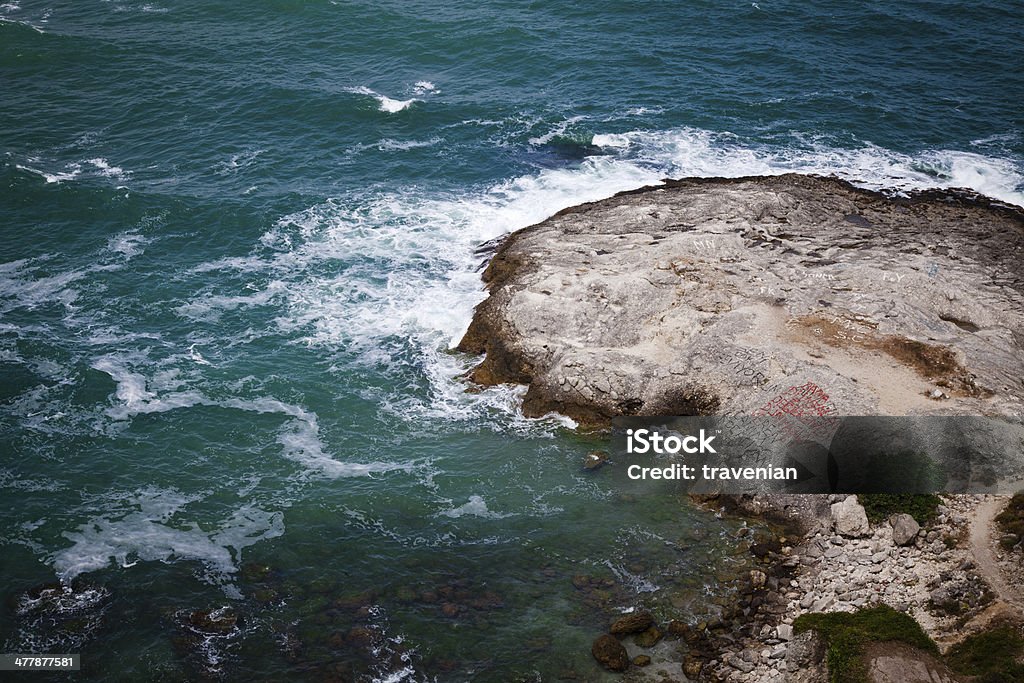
[[240, 239]]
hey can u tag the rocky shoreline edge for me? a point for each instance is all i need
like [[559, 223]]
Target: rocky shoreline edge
[[826, 557], [723, 296], [842, 562]]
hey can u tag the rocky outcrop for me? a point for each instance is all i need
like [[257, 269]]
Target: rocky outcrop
[[723, 295]]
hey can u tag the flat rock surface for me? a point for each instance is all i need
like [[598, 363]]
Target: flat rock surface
[[726, 296]]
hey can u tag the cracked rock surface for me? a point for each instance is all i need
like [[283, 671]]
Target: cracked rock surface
[[719, 296]]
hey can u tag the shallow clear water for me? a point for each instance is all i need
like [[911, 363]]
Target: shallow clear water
[[239, 240]]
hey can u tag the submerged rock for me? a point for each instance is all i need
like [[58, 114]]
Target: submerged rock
[[594, 460], [610, 653], [208, 637], [720, 295], [218, 621], [649, 637], [57, 616]]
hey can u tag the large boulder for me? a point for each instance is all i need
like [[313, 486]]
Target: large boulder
[[850, 519], [904, 528], [636, 622], [610, 653]]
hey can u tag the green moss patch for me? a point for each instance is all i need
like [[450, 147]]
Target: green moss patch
[[991, 656], [847, 633], [880, 506]]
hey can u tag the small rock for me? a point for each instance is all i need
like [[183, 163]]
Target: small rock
[[641, 660], [594, 460], [741, 664]]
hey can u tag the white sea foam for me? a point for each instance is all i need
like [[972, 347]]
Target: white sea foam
[[127, 244], [104, 168], [390, 145], [210, 307], [610, 140], [558, 129], [412, 277], [12, 7], [424, 87], [194, 354], [299, 437], [302, 444], [71, 172], [21, 288], [475, 507], [238, 161], [79, 169], [694, 152], [147, 526], [387, 104]]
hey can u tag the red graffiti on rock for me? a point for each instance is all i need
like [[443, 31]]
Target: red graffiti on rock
[[808, 402]]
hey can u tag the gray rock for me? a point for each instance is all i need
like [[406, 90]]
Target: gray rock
[[714, 295], [741, 664], [805, 650], [904, 529], [822, 604], [849, 518]]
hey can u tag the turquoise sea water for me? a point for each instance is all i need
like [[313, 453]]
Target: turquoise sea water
[[239, 240]]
